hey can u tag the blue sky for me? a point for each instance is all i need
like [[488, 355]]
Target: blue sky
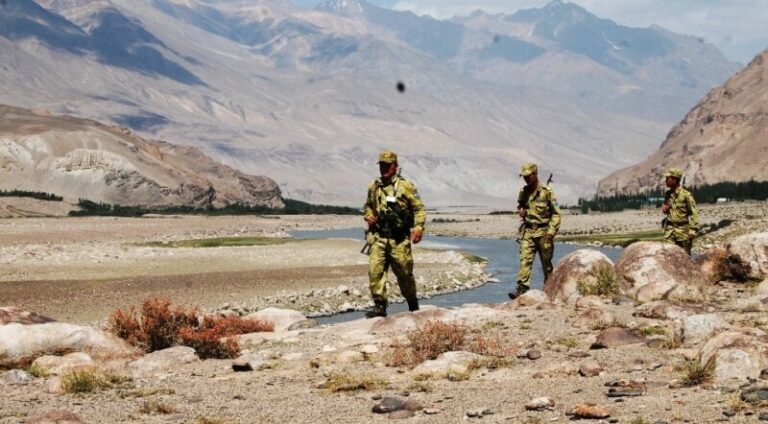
[[739, 28]]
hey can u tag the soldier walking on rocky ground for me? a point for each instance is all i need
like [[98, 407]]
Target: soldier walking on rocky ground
[[538, 207], [682, 221], [395, 215]]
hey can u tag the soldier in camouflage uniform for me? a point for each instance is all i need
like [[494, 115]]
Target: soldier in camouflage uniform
[[682, 221], [395, 215], [538, 207]]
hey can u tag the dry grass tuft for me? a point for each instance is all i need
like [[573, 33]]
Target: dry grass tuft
[[426, 343], [36, 371], [600, 280], [695, 373], [161, 325], [89, 380], [436, 338], [421, 387], [154, 407], [652, 330]]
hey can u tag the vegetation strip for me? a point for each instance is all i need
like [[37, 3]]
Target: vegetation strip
[[223, 242]]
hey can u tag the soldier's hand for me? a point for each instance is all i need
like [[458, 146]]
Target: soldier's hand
[[371, 220], [416, 234], [665, 208], [550, 237], [522, 212]]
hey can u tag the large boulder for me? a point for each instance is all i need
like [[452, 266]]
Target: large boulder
[[583, 264], [648, 271], [737, 354], [58, 365], [281, 318], [694, 329], [163, 361], [12, 314], [663, 309], [404, 322], [20, 344], [750, 253], [714, 264], [458, 362]]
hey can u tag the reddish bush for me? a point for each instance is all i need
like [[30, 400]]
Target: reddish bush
[[161, 325], [207, 339]]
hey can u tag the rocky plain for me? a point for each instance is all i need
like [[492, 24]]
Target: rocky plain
[[656, 337]]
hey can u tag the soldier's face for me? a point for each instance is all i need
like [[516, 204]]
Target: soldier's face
[[531, 179], [387, 170], [671, 182]]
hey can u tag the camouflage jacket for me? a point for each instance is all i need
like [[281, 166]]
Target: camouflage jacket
[[405, 195], [541, 207], [682, 208]]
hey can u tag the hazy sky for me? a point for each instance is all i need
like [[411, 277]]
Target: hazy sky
[[739, 28]]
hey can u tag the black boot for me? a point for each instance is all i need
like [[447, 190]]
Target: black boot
[[413, 304], [521, 289], [379, 309]]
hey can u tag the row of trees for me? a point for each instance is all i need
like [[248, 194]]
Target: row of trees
[[33, 194], [292, 207], [708, 193]]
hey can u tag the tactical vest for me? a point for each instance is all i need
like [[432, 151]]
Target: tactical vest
[[395, 218]]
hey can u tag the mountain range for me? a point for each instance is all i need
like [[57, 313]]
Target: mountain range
[[307, 97], [81, 159], [724, 138]]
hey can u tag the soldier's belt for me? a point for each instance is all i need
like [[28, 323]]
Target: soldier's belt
[[536, 225]]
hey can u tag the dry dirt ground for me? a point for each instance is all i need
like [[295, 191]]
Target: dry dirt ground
[[78, 270]]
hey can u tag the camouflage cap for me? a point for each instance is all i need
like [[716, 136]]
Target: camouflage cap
[[674, 172], [528, 169], [387, 157]]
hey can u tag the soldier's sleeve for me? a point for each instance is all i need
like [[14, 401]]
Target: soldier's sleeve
[[368, 207], [521, 198], [694, 218], [554, 219], [417, 206]]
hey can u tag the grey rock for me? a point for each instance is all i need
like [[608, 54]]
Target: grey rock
[[249, 362], [18, 377], [755, 395]]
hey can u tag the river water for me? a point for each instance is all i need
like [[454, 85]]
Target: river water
[[503, 257]]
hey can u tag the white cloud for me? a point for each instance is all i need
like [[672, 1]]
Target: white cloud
[[739, 28]]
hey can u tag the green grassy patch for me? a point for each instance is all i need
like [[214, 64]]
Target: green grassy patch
[[223, 242], [615, 239]]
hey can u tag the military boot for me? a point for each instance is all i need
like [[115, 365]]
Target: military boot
[[379, 309], [521, 289], [413, 304]]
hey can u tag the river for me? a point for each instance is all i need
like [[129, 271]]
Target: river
[[502, 256]]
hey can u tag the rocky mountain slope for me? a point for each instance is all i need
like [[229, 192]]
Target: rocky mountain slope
[[723, 138], [307, 97], [78, 158]]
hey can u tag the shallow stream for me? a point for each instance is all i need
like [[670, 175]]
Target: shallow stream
[[503, 263]]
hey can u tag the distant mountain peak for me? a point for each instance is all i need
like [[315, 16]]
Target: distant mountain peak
[[342, 7]]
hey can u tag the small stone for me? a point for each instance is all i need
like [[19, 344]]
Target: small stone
[[590, 369], [763, 416], [764, 374], [587, 411], [755, 395], [376, 397], [248, 362], [533, 354], [431, 411], [729, 413], [540, 403], [391, 404]]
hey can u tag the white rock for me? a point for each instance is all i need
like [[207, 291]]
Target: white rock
[[163, 361], [281, 318]]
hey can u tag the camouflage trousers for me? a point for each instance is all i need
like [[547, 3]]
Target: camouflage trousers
[[386, 253], [532, 241], [681, 236]]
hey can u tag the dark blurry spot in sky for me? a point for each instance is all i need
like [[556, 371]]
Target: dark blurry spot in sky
[[401, 86], [496, 38]]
